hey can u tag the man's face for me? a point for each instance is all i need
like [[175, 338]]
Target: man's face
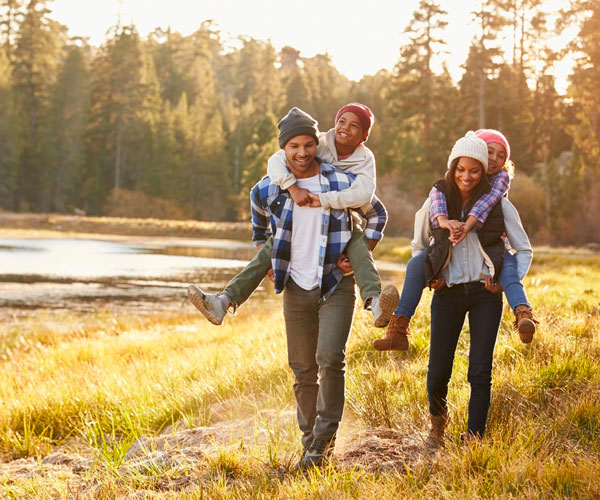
[[348, 130], [300, 152]]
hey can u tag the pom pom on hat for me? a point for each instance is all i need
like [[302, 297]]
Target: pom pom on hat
[[472, 146]]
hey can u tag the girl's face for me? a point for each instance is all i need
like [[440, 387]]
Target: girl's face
[[496, 157], [348, 130], [467, 175]]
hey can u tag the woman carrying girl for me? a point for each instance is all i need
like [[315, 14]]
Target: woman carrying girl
[[462, 276], [500, 172]]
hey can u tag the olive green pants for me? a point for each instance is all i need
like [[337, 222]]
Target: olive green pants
[[239, 289]]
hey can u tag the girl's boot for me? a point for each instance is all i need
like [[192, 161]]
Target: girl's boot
[[395, 338]]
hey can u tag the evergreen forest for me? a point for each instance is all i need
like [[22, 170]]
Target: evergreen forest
[[180, 127]]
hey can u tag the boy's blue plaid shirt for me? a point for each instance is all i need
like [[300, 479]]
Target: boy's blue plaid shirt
[[272, 214]]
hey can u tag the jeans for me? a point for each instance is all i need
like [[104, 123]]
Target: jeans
[[449, 307], [509, 280], [317, 332], [412, 289]]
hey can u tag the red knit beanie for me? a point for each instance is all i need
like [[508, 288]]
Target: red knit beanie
[[365, 116], [491, 135]]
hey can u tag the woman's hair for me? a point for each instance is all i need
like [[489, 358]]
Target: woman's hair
[[453, 196]]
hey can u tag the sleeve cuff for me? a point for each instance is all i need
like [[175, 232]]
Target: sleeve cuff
[[288, 181], [323, 199], [372, 234]]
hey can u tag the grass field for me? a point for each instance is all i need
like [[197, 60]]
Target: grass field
[[213, 406]]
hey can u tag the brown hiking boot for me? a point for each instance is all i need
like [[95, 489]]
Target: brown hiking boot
[[395, 338], [525, 323], [436, 434]]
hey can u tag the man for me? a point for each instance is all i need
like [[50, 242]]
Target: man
[[309, 268]]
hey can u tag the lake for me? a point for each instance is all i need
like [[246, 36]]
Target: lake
[[145, 274]]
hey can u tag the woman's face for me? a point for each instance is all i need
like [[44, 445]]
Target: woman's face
[[496, 157], [467, 175]]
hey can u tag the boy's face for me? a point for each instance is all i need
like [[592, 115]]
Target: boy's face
[[300, 153], [496, 157], [348, 130]]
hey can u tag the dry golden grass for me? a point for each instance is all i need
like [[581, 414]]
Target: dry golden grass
[[92, 384]]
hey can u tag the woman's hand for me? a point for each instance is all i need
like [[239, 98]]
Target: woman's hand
[[492, 287], [437, 283]]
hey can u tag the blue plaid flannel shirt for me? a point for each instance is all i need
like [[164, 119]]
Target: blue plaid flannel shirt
[[499, 184], [271, 209]]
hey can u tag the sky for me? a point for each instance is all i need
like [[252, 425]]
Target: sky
[[361, 37]]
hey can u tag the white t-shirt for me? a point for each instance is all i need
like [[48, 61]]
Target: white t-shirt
[[306, 236]]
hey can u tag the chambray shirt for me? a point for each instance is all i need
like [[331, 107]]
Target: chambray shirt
[[499, 184], [468, 262], [271, 209]]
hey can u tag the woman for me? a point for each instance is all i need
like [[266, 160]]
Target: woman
[[464, 278]]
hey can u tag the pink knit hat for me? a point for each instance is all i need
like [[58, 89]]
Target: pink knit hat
[[365, 116], [491, 135]]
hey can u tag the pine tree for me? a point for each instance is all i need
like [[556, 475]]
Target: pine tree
[[10, 135], [37, 55], [63, 139], [124, 103], [414, 92]]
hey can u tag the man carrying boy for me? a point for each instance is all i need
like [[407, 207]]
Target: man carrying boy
[[318, 299], [343, 147]]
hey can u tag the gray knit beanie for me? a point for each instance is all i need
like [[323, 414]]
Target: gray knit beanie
[[297, 122], [472, 146]]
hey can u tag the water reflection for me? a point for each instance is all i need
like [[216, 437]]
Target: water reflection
[[148, 274], [75, 273]]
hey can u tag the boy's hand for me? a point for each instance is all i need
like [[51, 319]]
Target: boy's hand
[[315, 201], [271, 275], [299, 195], [344, 264], [492, 287]]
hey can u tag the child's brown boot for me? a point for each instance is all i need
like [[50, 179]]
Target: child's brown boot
[[525, 323], [395, 338]]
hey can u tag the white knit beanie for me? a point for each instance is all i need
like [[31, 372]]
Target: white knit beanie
[[472, 146]]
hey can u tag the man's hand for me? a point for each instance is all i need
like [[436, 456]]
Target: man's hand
[[344, 264], [492, 287], [438, 283], [271, 275], [315, 201], [299, 195]]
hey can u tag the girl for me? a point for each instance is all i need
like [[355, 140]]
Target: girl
[[500, 171], [461, 276]]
